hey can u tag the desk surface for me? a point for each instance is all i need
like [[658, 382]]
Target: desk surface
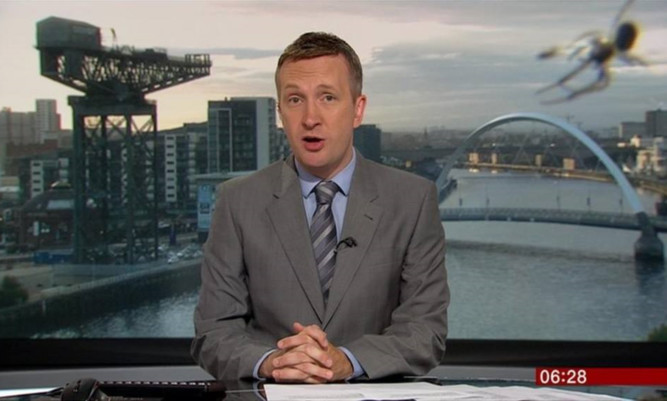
[[479, 377]]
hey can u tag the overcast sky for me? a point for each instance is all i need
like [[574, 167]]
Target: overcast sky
[[455, 64]]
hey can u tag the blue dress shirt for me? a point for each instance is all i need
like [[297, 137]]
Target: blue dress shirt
[[343, 179]]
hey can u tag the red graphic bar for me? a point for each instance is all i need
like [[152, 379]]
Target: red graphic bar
[[572, 376]]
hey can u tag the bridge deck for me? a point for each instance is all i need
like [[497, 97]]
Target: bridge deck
[[584, 218]]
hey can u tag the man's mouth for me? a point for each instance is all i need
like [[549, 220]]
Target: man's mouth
[[313, 143]]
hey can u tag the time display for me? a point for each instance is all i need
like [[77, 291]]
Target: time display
[[561, 377]]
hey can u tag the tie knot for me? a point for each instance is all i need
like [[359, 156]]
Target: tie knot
[[325, 191]]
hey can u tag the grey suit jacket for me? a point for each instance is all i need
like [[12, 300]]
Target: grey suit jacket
[[389, 296]]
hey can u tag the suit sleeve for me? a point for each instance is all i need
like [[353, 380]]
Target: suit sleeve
[[414, 342], [222, 344]]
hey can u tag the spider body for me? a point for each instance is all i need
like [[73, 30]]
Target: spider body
[[626, 35]]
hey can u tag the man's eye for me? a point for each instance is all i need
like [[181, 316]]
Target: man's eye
[[293, 100], [329, 98]]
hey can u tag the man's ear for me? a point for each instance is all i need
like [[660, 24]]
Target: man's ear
[[280, 114], [359, 109]]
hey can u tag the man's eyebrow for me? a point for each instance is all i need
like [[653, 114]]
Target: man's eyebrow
[[327, 87], [291, 86]]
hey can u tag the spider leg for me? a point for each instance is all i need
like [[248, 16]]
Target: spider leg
[[550, 52], [597, 35], [577, 52], [632, 59], [620, 15], [566, 78], [597, 85], [577, 47], [604, 78]]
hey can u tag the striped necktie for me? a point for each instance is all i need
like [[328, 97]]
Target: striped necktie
[[323, 234]]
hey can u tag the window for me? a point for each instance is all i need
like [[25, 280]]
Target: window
[[542, 232]]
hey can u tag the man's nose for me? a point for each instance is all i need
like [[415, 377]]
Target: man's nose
[[311, 115]]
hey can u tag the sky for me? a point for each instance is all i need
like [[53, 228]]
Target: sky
[[450, 63]]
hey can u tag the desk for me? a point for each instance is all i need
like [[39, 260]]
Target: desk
[[447, 375]]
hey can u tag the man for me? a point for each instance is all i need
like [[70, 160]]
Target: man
[[325, 266]]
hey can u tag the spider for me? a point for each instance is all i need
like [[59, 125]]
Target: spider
[[596, 50]]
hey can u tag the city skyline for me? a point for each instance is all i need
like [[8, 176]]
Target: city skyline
[[453, 63]]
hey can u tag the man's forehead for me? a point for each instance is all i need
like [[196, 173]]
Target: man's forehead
[[313, 64], [293, 74], [322, 57]]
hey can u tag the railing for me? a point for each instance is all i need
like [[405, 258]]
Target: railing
[[584, 218]]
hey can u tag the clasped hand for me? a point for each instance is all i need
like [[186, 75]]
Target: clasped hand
[[307, 357]]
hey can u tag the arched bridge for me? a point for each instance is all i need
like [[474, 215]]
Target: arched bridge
[[648, 246]]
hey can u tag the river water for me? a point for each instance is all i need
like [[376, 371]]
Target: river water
[[508, 280]]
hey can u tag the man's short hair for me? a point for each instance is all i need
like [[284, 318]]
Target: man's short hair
[[317, 44]]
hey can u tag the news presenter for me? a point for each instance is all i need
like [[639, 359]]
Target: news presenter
[[261, 310]]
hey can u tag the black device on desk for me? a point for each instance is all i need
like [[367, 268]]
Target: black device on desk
[[164, 390], [89, 389]]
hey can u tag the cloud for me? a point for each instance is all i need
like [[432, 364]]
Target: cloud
[[454, 63], [410, 53], [468, 15], [436, 66], [215, 69], [238, 53], [652, 70], [454, 81]]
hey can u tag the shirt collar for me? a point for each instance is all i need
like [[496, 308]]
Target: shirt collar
[[343, 179]]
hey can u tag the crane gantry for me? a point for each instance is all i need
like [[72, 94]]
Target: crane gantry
[[115, 132]]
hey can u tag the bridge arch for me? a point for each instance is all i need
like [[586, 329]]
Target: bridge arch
[[648, 246]]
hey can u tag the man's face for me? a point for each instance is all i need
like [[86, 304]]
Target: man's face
[[319, 113]]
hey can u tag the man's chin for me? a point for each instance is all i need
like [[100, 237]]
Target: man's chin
[[316, 167], [312, 160]]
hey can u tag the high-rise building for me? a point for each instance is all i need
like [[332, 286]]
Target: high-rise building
[[656, 123], [629, 129], [367, 140], [4, 139], [17, 128], [47, 119], [279, 145], [38, 172], [184, 157], [240, 133], [28, 128]]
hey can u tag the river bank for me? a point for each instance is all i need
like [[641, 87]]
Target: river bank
[[85, 291]]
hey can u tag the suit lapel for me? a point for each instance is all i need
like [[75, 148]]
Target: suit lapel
[[361, 219], [289, 221]]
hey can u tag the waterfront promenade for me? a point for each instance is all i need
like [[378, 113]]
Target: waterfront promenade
[[649, 183]]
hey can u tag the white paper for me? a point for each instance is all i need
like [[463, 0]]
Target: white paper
[[422, 392], [24, 391]]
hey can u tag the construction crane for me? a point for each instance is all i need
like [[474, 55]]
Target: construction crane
[[115, 132]]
